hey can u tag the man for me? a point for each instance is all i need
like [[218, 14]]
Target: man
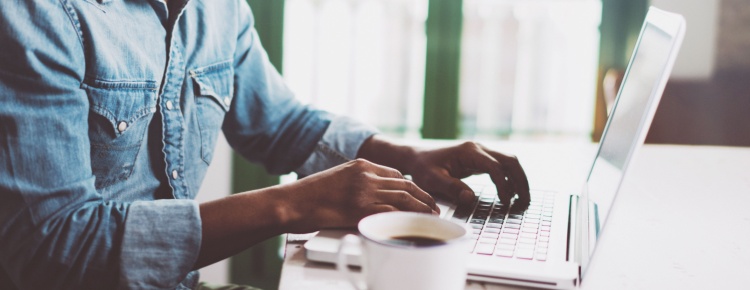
[[109, 113]]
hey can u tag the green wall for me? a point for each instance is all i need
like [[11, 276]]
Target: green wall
[[260, 265]]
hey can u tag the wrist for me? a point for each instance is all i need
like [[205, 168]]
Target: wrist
[[285, 211], [381, 151]]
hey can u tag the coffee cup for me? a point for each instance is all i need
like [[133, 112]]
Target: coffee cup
[[404, 250]]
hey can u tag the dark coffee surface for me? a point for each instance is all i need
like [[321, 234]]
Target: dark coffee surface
[[415, 241]]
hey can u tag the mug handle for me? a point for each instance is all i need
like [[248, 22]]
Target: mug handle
[[341, 265]]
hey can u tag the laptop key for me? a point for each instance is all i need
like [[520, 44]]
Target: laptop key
[[497, 220], [530, 225], [512, 226], [533, 211], [491, 235], [491, 230], [487, 241], [481, 216], [524, 254], [504, 253], [525, 246], [515, 216], [541, 257], [528, 235], [507, 241], [527, 241], [494, 225], [477, 221], [485, 249], [508, 236]]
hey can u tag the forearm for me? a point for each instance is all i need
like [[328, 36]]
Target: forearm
[[236, 222], [381, 151]]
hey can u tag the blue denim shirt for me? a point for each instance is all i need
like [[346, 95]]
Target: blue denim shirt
[[109, 114]]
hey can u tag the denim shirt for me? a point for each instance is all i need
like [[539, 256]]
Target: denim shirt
[[109, 114]]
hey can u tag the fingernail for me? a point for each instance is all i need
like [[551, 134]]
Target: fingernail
[[435, 213]]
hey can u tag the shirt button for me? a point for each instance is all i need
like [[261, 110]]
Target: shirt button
[[169, 105], [122, 126], [227, 101], [174, 174]]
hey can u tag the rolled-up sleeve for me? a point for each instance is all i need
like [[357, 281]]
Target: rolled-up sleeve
[[339, 144], [266, 124], [152, 256], [56, 230]]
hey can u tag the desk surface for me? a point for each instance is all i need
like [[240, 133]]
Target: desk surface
[[680, 221]]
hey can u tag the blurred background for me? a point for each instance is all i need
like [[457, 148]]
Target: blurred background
[[487, 70]]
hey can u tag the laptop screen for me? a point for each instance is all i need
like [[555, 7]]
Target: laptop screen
[[623, 132]]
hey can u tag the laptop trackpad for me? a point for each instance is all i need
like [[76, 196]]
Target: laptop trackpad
[[325, 245]]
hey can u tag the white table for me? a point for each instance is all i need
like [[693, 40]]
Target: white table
[[681, 220]]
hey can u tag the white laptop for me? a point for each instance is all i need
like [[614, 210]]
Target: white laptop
[[550, 244]]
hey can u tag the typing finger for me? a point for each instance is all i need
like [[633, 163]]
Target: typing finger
[[411, 188], [486, 163], [404, 201], [516, 175]]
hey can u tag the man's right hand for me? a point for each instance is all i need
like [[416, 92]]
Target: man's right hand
[[343, 195]]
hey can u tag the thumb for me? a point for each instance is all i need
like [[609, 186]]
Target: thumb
[[453, 189]]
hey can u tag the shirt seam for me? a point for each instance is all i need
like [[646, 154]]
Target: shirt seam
[[73, 16], [328, 150]]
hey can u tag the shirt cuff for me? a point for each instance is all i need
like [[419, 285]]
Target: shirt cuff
[[339, 144], [161, 243]]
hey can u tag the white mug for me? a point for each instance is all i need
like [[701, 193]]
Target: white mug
[[437, 263]]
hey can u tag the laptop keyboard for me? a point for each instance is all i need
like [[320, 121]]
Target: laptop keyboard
[[503, 233]]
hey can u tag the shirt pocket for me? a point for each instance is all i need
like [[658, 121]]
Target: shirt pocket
[[213, 87], [118, 121]]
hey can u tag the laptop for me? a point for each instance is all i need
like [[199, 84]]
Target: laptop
[[550, 244]]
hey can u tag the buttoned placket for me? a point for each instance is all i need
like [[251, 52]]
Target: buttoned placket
[[172, 119]]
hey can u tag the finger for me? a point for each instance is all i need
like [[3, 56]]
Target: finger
[[411, 188], [402, 200], [484, 162], [452, 188], [516, 174]]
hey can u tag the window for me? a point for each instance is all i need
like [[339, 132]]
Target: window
[[363, 58], [528, 68]]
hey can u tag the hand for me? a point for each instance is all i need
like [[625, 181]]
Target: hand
[[440, 170], [343, 195]]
